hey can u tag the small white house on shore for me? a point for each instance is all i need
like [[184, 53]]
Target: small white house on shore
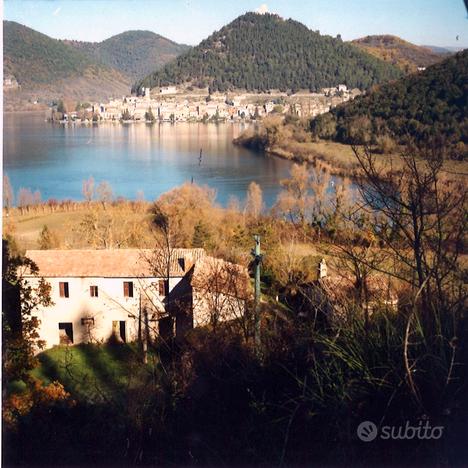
[[103, 294]]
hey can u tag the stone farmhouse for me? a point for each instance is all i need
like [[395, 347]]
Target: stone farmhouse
[[102, 294]]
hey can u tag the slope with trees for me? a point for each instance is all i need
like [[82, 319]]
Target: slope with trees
[[405, 55], [134, 53], [426, 106], [48, 68], [262, 52]]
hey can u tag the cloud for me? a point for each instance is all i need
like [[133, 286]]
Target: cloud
[[262, 9], [57, 11]]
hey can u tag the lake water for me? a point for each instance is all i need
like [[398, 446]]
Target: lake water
[[55, 159]]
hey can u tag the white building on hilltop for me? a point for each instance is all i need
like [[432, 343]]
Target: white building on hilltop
[[100, 294]]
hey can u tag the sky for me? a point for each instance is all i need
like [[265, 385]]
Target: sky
[[424, 22]]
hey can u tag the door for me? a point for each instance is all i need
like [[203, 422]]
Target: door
[[65, 333], [122, 330], [119, 330], [166, 328]]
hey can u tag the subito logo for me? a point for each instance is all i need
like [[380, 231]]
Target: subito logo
[[367, 431]]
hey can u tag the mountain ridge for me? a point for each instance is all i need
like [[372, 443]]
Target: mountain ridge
[[47, 69], [262, 52], [134, 53], [393, 49]]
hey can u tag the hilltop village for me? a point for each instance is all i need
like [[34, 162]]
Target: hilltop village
[[169, 104]]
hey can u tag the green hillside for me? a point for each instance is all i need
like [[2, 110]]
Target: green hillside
[[423, 106], [49, 68], [262, 52], [399, 52], [133, 53]]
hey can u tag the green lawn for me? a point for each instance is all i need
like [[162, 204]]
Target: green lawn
[[92, 372]]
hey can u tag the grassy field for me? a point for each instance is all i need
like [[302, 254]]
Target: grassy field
[[342, 159], [27, 227], [91, 372], [66, 224]]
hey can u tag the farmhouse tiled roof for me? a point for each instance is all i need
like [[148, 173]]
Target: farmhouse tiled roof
[[113, 263], [216, 275]]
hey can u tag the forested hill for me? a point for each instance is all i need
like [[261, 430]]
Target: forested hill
[[47, 68], [134, 53], [262, 52], [423, 106], [399, 52]]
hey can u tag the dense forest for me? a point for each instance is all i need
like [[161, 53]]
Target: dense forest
[[424, 106], [33, 57], [133, 53], [399, 52], [262, 52], [47, 69]]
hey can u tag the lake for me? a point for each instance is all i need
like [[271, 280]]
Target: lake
[[55, 159]]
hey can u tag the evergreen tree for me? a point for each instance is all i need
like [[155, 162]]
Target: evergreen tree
[[201, 235], [48, 239]]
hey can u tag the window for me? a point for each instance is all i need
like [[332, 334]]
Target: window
[[65, 332], [181, 262], [163, 286], [93, 291], [128, 288], [63, 289]]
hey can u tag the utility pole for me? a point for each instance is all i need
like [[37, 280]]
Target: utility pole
[[257, 260]]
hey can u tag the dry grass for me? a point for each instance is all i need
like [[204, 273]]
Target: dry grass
[[26, 228]]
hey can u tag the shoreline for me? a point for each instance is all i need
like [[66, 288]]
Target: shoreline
[[339, 158]]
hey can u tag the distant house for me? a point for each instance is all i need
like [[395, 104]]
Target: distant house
[[377, 292], [10, 83], [334, 293], [99, 294], [168, 90]]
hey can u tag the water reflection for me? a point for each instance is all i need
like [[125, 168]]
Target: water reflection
[[56, 159]]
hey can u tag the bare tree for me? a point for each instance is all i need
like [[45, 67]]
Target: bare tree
[[296, 199], [25, 199], [37, 198], [254, 202], [221, 291], [417, 214], [320, 183], [8, 197], [104, 192], [88, 189]]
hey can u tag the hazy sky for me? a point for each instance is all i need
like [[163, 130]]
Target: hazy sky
[[432, 22]]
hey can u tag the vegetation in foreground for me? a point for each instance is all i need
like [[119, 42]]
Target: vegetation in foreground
[[325, 363]]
